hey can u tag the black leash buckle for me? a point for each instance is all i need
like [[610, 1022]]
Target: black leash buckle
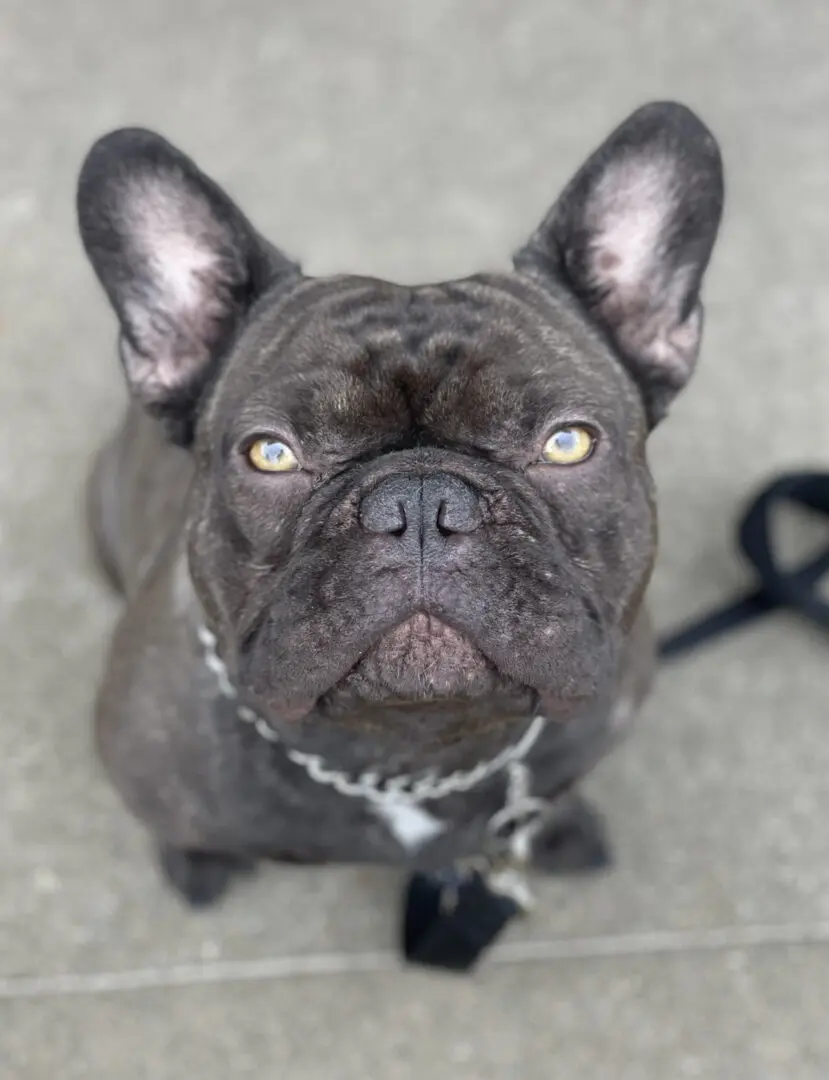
[[450, 919]]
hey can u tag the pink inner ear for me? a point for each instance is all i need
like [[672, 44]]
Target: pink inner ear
[[176, 236], [177, 314], [182, 270], [628, 215]]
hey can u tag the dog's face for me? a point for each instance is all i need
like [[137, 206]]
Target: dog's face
[[425, 502]]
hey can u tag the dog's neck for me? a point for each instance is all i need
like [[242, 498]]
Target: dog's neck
[[397, 799]]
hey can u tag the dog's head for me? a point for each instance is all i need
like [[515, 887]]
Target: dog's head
[[432, 499]]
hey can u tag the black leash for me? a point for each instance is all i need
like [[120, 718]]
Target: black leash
[[449, 920], [777, 588]]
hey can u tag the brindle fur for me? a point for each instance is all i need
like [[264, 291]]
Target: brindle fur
[[535, 606]]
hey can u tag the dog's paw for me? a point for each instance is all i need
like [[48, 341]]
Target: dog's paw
[[199, 878], [575, 841]]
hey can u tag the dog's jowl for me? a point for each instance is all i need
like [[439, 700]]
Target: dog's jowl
[[383, 549]]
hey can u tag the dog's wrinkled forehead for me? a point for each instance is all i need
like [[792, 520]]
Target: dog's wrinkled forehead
[[353, 364]]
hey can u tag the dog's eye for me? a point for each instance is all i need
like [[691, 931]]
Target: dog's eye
[[569, 446], [271, 455]]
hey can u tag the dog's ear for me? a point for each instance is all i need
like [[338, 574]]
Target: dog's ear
[[631, 236], [180, 263]]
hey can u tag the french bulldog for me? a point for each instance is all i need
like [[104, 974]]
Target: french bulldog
[[383, 549]]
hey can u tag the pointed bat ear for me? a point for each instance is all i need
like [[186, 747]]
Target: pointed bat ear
[[179, 262], [631, 236]]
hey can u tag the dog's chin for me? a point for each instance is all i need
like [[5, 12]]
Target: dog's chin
[[421, 660], [428, 685]]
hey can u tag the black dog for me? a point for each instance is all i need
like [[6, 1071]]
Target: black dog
[[383, 549]]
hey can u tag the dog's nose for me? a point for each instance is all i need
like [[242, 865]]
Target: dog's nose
[[412, 505]]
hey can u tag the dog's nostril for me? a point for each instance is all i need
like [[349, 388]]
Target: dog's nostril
[[401, 519], [383, 512], [443, 528], [459, 513]]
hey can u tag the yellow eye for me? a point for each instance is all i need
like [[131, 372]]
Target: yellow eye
[[271, 455], [569, 446]]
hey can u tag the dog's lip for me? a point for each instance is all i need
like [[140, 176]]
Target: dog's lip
[[444, 663], [423, 621], [419, 616]]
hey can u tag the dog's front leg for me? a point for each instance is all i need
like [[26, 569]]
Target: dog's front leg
[[574, 840], [201, 878]]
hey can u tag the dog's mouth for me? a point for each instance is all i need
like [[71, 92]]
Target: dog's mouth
[[432, 682], [421, 660], [424, 679]]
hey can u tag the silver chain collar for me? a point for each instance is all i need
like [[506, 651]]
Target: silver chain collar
[[398, 799]]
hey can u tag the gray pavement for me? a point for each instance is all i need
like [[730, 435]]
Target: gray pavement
[[417, 140]]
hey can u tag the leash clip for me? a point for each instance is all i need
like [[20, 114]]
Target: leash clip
[[450, 919]]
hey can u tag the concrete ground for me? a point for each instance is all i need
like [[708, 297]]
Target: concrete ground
[[414, 140]]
